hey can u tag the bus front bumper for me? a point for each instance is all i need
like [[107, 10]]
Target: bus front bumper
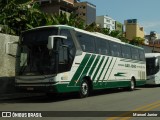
[[46, 88]]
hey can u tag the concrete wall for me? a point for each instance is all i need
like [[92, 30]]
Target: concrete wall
[[8, 50]]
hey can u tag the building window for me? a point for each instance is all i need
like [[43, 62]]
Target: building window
[[108, 26], [107, 20]]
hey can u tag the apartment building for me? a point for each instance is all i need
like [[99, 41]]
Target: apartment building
[[57, 6], [86, 11], [119, 26], [105, 22], [133, 29]]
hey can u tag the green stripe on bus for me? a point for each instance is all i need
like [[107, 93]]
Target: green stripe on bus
[[79, 70], [107, 68], [94, 65], [112, 69], [103, 69], [100, 64], [87, 67]]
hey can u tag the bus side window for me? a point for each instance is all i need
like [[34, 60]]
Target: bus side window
[[126, 52], [141, 55], [87, 42], [115, 49], [72, 50], [135, 53], [102, 46], [69, 40], [83, 47]]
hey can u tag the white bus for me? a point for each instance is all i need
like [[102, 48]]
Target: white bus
[[153, 68], [59, 58]]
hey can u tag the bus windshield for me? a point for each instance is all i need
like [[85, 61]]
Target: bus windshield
[[35, 58], [152, 65], [38, 36]]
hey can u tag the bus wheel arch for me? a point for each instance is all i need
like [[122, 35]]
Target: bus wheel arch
[[86, 87]]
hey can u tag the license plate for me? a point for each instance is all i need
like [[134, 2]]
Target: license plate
[[30, 88]]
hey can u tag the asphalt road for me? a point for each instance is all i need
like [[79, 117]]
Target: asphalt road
[[121, 102]]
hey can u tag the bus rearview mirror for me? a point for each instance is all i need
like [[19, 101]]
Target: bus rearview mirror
[[51, 40]]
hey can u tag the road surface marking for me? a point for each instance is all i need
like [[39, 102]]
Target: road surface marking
[[142, 108]]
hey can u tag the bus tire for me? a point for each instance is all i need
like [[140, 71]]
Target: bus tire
[[84, 89], [132, 86]]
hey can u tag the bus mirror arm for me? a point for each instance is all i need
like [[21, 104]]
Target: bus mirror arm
[[51, 40]]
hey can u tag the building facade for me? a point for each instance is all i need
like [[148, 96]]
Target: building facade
[[133, 29], [86, 11], [57, 6], [119, 26], [105, 22]]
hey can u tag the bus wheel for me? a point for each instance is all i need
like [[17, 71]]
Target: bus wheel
[[84, 89], [132, 87]]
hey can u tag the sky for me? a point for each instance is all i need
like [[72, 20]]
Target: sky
[[147, 12]]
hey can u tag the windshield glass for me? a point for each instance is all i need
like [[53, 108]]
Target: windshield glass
[[38, 36], [152, 65], [35, 58]]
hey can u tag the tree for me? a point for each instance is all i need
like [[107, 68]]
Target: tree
[[115, 33], [23, 15], [19, 17], [105, 31], [137, 41], [75, 21]]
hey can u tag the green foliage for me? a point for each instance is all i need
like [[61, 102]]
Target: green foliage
[[20, 15], [105, 31], [115, 33], [137, 41], [16, 18]]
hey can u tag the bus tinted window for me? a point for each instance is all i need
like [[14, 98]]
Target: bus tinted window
[[72, 50], [115, 49], [102, 46], [38, 36], [135, 53], [86, 42], [141, 55], [126, 52], [69, 40]]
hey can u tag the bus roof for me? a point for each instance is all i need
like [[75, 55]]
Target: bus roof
[[150, 55], [133, 46], [96, 34], [50, 26]]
